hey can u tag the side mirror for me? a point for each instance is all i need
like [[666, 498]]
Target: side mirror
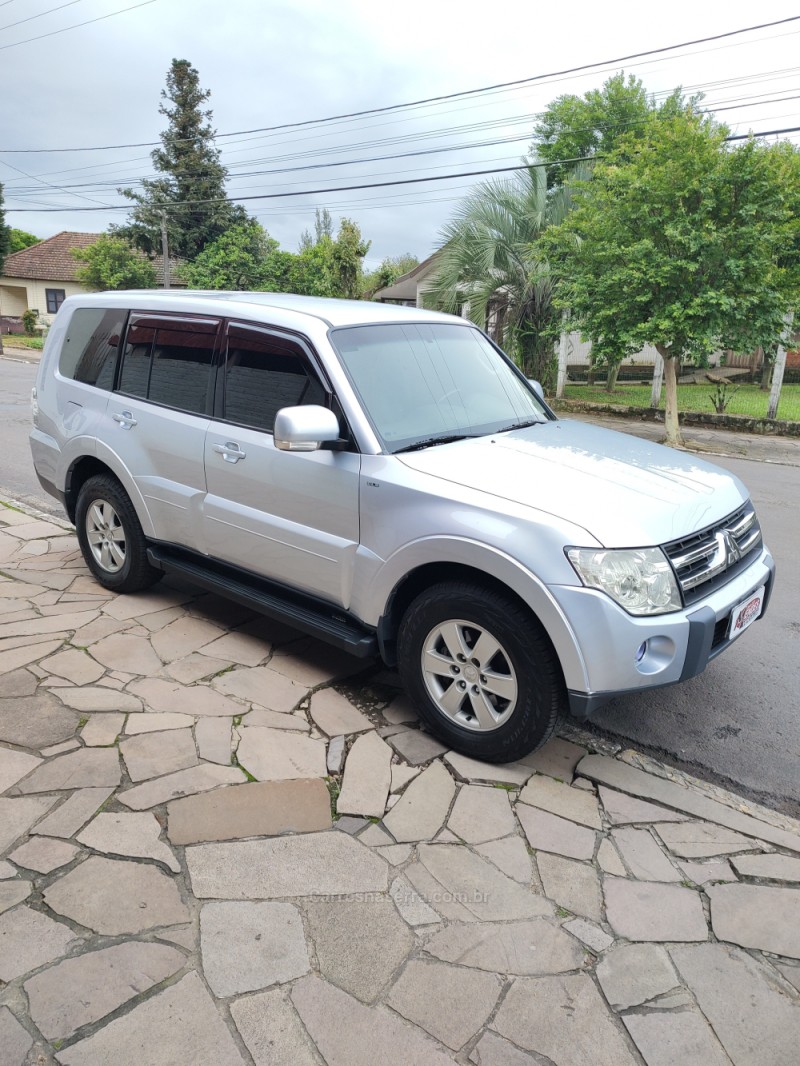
[[303, 429], [537, 388]]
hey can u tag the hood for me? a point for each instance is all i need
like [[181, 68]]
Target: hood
[[625, 491]]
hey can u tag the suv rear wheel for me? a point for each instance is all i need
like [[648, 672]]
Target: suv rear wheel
[[111, 537], [481, 671]]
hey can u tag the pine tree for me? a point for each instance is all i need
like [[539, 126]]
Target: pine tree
[[190, 164]]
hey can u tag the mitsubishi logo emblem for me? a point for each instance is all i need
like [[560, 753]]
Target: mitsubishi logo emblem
[[727, 543]]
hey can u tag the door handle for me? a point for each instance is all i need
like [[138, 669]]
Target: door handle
[[126, 420], [230, 451]]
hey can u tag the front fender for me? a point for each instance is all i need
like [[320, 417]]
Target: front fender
[[485, 559]]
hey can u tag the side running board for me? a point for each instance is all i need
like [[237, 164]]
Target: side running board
[[285, 605]]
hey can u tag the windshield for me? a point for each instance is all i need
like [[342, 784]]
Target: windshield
[[419, 383]]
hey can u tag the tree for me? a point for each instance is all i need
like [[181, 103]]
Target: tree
[[574, 127], [349, 250], [328, 267], [491, 252], [110, 263], [191, 190], [387, 273], [4, 242], [19, 239], [245, 257], [676, 241]]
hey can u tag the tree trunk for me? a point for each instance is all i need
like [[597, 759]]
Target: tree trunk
[[766, 373], [671, 424], [561, 380], [613, 374], [658, 374], [756, 358], [780, 364]]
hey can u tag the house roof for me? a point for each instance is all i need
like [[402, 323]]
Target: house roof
[[52, 259], [405, 287]]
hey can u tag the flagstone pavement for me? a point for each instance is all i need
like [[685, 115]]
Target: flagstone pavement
[[223, 843]]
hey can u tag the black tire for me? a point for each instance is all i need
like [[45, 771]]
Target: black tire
[[525, 664], [130, 573]]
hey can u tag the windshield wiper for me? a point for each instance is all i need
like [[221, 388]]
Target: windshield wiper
[[521, 425], [429, 441]]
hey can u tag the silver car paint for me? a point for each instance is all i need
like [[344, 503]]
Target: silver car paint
[[506, 505]]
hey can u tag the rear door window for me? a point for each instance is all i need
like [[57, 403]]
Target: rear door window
[[89, 353], [168, 360]]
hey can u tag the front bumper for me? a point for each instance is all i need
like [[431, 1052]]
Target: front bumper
[[682, 643]]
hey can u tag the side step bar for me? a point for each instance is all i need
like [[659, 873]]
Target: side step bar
[[301, 612]]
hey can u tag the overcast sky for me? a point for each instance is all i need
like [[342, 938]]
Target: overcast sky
[[268, 63]]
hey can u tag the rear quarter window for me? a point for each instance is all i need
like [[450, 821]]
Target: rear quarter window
[[89, 352]]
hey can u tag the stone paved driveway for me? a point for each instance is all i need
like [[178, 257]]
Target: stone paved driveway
[[174, 891]]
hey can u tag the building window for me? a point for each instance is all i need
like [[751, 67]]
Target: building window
[[55, 298]]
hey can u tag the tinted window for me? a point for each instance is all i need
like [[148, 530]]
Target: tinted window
[[90, 348], [263, 374], [169, 362]]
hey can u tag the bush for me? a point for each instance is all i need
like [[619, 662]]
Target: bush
[[29, 320]]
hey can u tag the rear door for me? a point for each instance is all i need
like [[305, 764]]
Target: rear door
[[289, 516], [157, 417]]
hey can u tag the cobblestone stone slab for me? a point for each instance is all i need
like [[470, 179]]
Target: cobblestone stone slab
[[702, 840], [18, 815], [648, 910], [563, 1018], [626, 778], [590, 934], [263, 686], [628, 810], [248, 946], [200, 778], [682, 1037], [493, 1050], [318, 864], [422, 809], [253, 809], [15, 1041], [276, 755], [549, 832], [29, 939], [769, 867], [179, 1025], [416, 747], [75, 666], [121, 651], [573, 885], [102, 730], [755, 916], [753, 1018], [703, 872], [12, 893], [358, 945], [349, 1034], [157, 722], [85, 768], [213, 737], [449, 1002], [644, 858], [36, 721], [74, 813], [335, 715], [94, 699], [181, 637], [44, 854], [524, 948], [481, 814], [510, 855], [113, 897], [82, 990], [634, 973], [14, 765], [130, 834], [367, 777], [272, 1031], [476, 772], [558, 758], [547, 794], [410, 903], [151, 755]]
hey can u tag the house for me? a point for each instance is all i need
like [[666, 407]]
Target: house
[[408, 290], [41, 277]]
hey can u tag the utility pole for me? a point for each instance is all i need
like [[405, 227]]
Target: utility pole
[[165, 248], [658, 374]]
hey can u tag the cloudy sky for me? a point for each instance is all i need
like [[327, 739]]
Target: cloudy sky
[[271, 62]]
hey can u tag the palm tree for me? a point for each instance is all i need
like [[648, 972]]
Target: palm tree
[[489, 255]]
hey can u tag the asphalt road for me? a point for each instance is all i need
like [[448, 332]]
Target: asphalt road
[[738, 723]]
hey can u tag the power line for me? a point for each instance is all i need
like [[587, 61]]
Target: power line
[[41, 14], [77, 26], [377, 184], [415, 103]]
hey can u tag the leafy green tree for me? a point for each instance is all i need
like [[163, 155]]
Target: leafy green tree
[[5, 237], [676, 241], [19, 239], [349, 250], [574, 127], [328, 267], [243, 258], [191, 188], [110, 263], [392, 268], [312, 272], [491, 252]]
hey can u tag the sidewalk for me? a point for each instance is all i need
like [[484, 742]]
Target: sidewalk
[[166, 902]]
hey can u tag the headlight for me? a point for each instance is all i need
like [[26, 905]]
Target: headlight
[[640, 580]]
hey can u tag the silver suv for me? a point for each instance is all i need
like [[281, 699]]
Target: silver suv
[[385, 478]]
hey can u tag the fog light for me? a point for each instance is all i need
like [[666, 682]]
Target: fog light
[[640, 651]]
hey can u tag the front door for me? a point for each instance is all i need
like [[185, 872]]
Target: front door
[[289, 516]]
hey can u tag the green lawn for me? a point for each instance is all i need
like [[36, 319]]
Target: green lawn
[[747, 400], [16, 340]]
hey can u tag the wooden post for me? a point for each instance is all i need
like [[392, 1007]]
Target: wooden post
[[561, 380]]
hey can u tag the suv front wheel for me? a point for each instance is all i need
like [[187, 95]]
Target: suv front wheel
[[111, 537], [481, 670]]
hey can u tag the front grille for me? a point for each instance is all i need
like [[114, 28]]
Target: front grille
[[710, 558]]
